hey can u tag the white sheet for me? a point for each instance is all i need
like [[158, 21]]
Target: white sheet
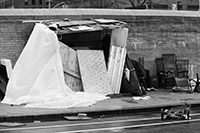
[[37, 78]]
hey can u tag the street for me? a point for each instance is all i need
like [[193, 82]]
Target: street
[[149, 122], [116, 67]]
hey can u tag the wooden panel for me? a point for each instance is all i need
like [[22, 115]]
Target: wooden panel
[[111, 63], [73, 83], [115, 69], [70, 67], [120, 70], [93, 71], [116, 66], [117, 57], [119, 37], [69, 60]]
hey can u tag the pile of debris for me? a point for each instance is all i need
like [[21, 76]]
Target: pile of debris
[[90, 52], [87, 46]]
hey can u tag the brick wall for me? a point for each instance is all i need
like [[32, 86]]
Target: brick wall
[[13, 37], [150, 37], [151, 32]]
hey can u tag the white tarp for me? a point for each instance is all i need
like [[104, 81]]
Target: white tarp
[[37, 79]]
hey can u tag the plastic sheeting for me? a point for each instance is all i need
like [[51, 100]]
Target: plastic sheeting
[[37, 79]]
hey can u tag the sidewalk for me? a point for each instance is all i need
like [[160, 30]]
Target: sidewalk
[[112, 106]]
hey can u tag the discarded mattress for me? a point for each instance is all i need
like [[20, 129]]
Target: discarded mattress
[[37, 79]]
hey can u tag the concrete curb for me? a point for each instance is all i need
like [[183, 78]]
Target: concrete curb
[[93, 114]]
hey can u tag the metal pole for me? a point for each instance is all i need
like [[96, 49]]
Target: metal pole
[[178, 5], [12, 4], [199, 5], [49, 5]]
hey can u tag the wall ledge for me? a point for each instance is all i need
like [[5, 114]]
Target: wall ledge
[[91, 12]]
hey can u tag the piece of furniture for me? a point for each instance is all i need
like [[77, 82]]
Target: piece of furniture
[[172, 71], [182, 67], [160, 72], [3, 79], [5, 73]]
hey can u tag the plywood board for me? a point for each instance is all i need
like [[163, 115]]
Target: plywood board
[[73, 83], [69, 60], [120, 71], [116, 57], [111, 59], [117, 69], [119, 37], [70, 67], [93, 71]]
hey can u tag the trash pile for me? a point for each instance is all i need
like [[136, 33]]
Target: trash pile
[[92, 69]]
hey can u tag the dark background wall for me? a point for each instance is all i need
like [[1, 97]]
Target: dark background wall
[[151, 32]]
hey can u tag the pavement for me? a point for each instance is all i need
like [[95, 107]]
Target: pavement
[[119, 105]]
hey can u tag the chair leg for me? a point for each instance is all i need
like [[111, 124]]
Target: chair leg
[[197, 88]]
